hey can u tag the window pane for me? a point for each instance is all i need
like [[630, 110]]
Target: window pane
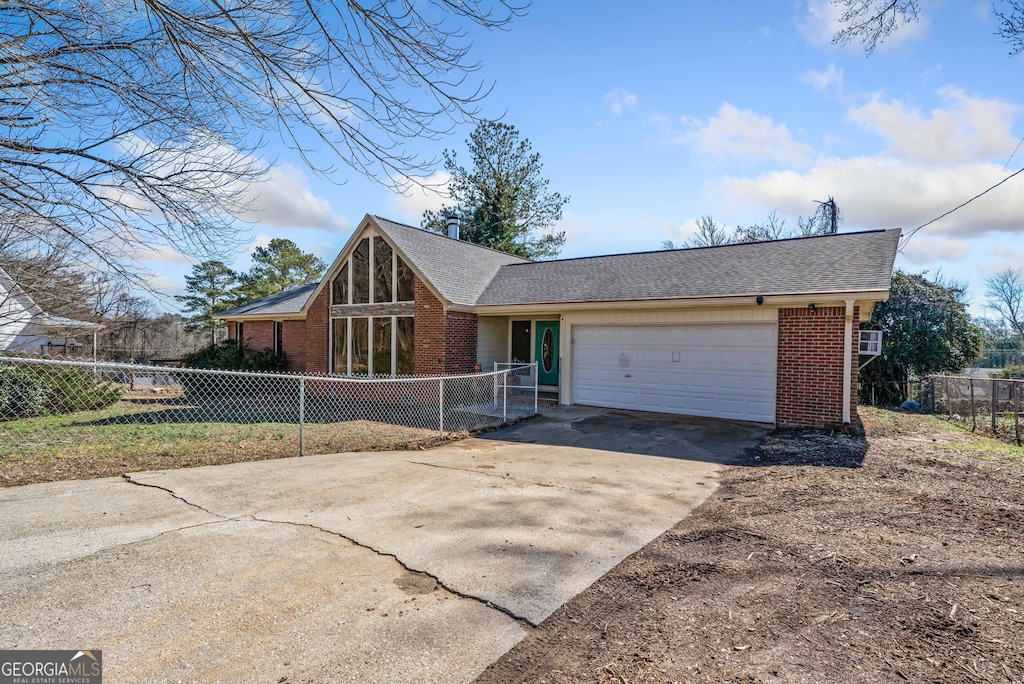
[[405, 359], [339, 360], [361, 273], [405, 287], [381, 270], [340, 287], [359, 345], [382, 346]]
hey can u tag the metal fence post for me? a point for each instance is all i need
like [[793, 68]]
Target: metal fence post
[[995, 403], [974, 414], [504, 400], [440, 403], [1016, 385], [536, 387], [302, 416]]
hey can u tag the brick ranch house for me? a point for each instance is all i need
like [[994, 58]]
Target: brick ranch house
[[765, 332]]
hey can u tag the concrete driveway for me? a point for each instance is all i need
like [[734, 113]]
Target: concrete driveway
[[395, 566]]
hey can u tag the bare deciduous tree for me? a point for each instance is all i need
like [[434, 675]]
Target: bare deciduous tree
[[870, 22], [130, 124], [1004, 295], [709, 234], [773, 228]]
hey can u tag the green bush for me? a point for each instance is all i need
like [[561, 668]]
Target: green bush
[[22, 393], [48, 390], [1011, 372], [228, 355], [78, 389]]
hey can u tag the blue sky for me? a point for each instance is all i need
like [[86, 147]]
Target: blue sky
[[650, 119]]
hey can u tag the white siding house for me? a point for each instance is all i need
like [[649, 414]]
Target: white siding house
[[26, 328]]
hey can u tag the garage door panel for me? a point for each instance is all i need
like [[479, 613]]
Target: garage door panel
[[707, 370]]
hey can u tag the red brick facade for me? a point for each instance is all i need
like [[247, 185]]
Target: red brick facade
[[809, 370], [258, 334], [293, 341], [316, 354], [445, 341], [810, 367]]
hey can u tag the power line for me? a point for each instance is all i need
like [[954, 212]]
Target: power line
[[906, 238]]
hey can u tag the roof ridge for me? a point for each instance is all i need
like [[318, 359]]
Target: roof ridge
[[694, 249], [442, 235]]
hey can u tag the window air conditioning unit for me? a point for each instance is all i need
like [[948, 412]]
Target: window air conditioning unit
[[870, 342]]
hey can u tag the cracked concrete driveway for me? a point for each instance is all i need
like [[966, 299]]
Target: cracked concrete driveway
[[394, 566]]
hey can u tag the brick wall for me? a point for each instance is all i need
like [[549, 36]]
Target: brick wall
[[460, 336], [293, 343], [258, 334], [810, 367], [316, 352], [428, 331], [445, 342]]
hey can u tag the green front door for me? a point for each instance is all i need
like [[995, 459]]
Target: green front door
[[547, 352]]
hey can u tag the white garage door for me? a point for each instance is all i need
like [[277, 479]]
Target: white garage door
[[723, 371]]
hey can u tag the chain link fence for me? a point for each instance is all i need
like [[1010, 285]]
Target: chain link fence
[[991, 405], [60, 407]]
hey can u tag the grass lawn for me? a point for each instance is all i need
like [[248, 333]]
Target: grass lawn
[[118, 439]]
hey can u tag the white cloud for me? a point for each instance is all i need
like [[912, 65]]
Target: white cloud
[[577, 231], [966, 129], [165, 284], [284, 200], [618, 100], [428, 194], [932, 163], [161, 254], [822, 21], [823, 80], [741, 134], [1001, 257], [883, 193], [927, 249]]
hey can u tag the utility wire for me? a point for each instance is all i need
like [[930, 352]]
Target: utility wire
[[906, 238]]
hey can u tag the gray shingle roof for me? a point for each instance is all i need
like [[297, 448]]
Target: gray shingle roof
[[831, 263], [284, 303], [459, 270]]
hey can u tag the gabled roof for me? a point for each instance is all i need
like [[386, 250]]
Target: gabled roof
[[460, 271], [11, 285], [289, 302], [468, 275], [845, 262], [38, 317]]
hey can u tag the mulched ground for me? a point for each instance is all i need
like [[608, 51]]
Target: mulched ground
[[887, 557]]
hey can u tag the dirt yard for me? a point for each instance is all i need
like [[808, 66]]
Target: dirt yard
[[898, 556]]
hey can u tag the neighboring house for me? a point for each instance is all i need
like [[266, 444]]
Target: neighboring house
[[762, 331], [26, 328]]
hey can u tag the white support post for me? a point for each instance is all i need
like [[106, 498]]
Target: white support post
[[440, 403], [495, 381], [302, 416], [847, 361], [504, 402]]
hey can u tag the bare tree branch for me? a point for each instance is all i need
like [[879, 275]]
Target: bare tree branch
[[128, 124]]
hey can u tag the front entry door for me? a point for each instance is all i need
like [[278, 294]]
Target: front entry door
[[547, 352]]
